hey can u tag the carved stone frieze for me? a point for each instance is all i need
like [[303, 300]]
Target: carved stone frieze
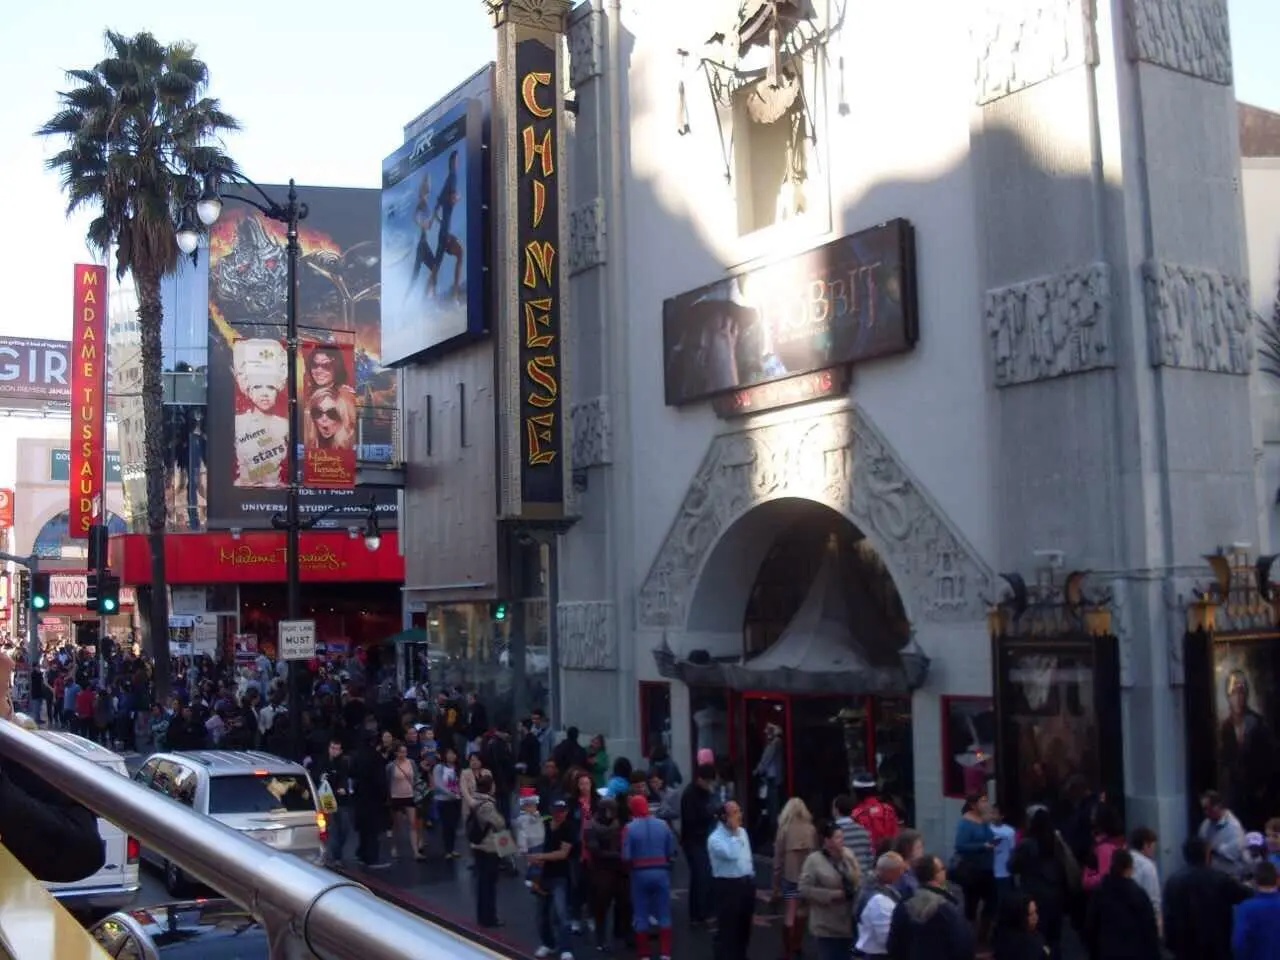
[[838, 459], [1019, 43], [1189, 36], [1051, 326], [542, 14], [587, 636], [586, 236], [586, 44], [1198, 319], [592, 432]]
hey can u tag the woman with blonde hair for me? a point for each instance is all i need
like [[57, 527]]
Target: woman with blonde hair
[[331, 419], [795, 839]]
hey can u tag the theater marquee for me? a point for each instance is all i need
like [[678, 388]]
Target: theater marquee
[[532, 283]]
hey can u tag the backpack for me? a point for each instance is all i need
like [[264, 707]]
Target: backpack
[[476, 830]]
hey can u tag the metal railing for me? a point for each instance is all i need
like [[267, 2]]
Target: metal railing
[[307, 911]]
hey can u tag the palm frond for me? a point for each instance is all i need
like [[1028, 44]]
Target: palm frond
[[138, 131]]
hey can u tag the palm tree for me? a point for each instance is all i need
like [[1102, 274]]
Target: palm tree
[[139, 135]]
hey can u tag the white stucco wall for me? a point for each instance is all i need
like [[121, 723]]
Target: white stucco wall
[[1260, 186], [900, 155]]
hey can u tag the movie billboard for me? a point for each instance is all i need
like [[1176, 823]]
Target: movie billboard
[[327, 399], [850, 300], [34, 373], [433, 229], [339, 291]]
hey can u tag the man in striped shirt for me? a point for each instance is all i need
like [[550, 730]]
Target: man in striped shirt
[[856, 838]]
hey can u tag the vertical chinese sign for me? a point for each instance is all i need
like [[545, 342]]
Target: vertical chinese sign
[[88, 398], [529, 274], [538, 218]]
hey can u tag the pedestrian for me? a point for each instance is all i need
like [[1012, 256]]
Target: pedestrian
[[334, 769], [794, 841], [875, 815], [484, 824], [1016, 936], [1223, 833], [697, 820], [1255, 933], [856, 838], [929, 925], [1197, 907], [877, 901], [733, 870], [648, 849], [1045, 871], [1142, 844], [1120, 923], [973, 868], [606, 872], [828, 885], [553, 905]]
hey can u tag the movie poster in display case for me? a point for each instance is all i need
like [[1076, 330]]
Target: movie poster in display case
[[1233, 705], [1058, 730]]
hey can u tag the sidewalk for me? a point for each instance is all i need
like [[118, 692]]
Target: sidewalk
[[444, 891]]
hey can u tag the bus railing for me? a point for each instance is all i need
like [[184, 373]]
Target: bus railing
[[35, 926], [306, 911]]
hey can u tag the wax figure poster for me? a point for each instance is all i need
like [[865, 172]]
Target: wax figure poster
[[339, 293], [261, 424], [327, 396]]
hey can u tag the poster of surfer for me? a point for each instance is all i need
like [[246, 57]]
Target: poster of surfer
[[433, 242], [329, 414]]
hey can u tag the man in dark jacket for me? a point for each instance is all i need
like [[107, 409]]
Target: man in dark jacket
[[930, 925], [1198, 902], [569, 753], [369, 773], [1121, 921], [335, 767], [697, 820]]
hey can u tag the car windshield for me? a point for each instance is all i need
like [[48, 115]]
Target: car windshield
[[261, 793]]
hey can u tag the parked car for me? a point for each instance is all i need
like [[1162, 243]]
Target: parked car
[[262, 796], [116, 884], [204, 929]]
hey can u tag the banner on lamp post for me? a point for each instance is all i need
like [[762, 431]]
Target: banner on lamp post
[[88, 398], [326, 392]]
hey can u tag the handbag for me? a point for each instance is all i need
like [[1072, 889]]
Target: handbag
[[324, 793], [504, 844]]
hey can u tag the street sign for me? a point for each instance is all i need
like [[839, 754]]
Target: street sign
[[297, 639]]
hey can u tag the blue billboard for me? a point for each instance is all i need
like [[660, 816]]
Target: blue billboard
[[434, 233]]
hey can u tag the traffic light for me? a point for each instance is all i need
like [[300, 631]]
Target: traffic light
[[98, 546], [499, 611], [40, 591], [91, 589], [108, 594]]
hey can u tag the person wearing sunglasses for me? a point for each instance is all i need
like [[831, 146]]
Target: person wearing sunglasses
[[331, 419]]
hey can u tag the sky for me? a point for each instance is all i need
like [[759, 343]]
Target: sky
[[321, 91]]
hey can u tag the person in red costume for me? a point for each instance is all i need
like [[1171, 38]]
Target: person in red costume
[[648, 848], [874, 815]]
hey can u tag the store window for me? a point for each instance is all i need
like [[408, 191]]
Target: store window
[[655, 717], [968, 745], [469, 647]]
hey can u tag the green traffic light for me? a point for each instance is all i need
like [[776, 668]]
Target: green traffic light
[[39, 602], [500, 612], [107, 605]]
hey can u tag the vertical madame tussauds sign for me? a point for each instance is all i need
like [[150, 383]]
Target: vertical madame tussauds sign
[[531, 282], [88, 398]]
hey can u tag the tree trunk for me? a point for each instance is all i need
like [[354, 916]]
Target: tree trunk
[[150, 319]]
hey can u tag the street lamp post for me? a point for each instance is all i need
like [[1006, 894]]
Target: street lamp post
[[206, 211]]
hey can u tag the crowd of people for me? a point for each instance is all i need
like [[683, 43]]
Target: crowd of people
[[595, 837]]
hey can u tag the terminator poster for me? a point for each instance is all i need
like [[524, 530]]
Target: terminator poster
[[339, 292]]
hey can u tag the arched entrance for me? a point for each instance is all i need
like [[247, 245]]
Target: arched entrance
[[813, 526]]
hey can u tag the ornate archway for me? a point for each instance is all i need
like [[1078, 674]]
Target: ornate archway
[[55, 533], [838, 459]]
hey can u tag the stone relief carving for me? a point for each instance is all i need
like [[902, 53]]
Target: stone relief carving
[[542, 14], [1198, 319], [586, 638], [586, 45], [838, 459], [1051, 326], [1019, 43], [592, 432], [586, 236], [1189, 36]]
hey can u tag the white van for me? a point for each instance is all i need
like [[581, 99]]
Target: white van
[[115, 886], [266, 798]]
